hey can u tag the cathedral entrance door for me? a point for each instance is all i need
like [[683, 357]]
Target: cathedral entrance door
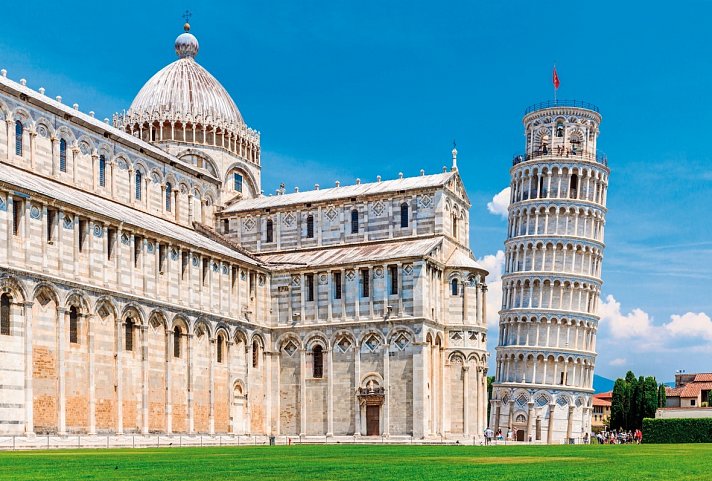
[[372, 420], [520, 435]]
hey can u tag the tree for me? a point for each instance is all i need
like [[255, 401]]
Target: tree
[[662, 397], [490, 380], [650, 399], [618, 404]]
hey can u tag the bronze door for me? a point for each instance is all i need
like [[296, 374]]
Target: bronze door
[[372, 420]]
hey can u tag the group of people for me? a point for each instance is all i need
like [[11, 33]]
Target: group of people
[[620, 437]]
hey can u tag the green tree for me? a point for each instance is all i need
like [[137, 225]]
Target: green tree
[[635, 415], [650, 399], [618, 404], [490, 380], [662, 397]]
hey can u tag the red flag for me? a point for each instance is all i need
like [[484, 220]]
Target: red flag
[[556, 79]]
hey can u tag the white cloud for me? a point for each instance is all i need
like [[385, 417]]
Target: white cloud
[[635, 324], [500, 203], [619, 361], [495, 266], [690, 325]]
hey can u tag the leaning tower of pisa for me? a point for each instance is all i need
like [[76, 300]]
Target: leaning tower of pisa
[[550, 289]]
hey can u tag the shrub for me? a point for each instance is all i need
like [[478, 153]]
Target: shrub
[[665, 431]]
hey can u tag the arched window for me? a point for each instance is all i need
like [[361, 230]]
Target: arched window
[[310, 226], [404, 214], [128, 334], [176, 341], [559, 129], [269, 231], [102, 171], [73, 325], [19, 129], [169, 189], [139, 184], [220, 347], [454, 226], [354, 221], [454, 287], [5, 315], [318, 370], [255, 353], [62, 155], [573, 186], [237, 181]]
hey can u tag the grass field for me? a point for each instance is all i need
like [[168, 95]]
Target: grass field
[[366, 462]]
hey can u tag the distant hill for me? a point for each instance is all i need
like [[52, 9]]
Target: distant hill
[[602, 384]]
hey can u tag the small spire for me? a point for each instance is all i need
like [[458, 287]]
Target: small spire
[[454, 155]]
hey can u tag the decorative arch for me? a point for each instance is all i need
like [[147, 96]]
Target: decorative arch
[[13, 287]]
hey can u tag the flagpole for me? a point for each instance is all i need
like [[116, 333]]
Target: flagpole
[[555, 87]]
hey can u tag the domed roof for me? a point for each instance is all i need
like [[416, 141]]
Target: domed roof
[[185, 91]]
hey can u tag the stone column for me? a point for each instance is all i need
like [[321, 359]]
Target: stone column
[[550, 428], [387, 385], [419, 380], [191, 417], [89, 319], [29, 422], [357, 382], [62, 318], [211, 414], [302, 391], [465, 399], [330, 391], [481, 401], [169, 394], [510, 419], [144, 374], [497, 414], [530, 420], [119, 374], [569, 423]]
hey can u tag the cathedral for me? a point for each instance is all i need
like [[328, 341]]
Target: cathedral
[[148, 285]]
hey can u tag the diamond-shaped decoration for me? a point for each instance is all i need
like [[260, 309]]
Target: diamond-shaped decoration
[[372, 343], [296, 280], [3, 205], [261, 280], [407, 269], [541, 401], [425, 200], [174, 254], [505, 399], [378, 208], [331, 213], [522, 400], [456, 336], [125, 239], [249, 224], [289, 219], [344, 344], [68, 224], [224, 269], [350, 275], [290, 348], [562, 402], [402, 342]]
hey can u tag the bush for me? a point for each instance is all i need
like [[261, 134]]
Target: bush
[[666, 431]]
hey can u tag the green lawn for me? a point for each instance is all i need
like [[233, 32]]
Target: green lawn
[[366, 462]]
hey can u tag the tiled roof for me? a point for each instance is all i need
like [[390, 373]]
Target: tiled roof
[[22, 180], [601, 402], [353, 254], [693, 389], [703, 377], [673, 391], [604, 395], [462, 260], [345, 192]]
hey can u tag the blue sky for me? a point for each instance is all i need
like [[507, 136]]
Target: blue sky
[[344, 90]]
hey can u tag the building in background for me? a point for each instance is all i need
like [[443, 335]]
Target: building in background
[[601, 416], [147, 285], [547, 338]]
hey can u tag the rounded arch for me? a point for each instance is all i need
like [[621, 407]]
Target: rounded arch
[[134, 312], [400, 329], [158, 317], [368, 333], [78, 299], [180, 321], [46, 288], [202, 325], [13, 287], [247, 176], [316, 339], [199, 159]]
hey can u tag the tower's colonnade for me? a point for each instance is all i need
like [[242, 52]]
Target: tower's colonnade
[[551, 286]]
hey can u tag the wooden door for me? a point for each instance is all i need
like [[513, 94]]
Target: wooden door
[[520, 435], [372, 421]]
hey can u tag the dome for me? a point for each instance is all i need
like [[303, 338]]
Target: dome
[[185, 91]]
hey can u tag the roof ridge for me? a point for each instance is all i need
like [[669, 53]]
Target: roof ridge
[[211, 233]]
